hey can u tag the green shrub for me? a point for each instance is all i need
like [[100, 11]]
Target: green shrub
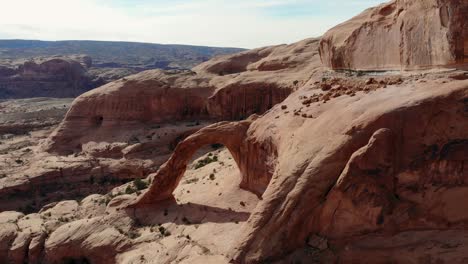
[[206, 161], [140, 184], [130, 189]]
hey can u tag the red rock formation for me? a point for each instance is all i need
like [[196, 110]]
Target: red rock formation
[[365, 198], [398, 35], [169, 175], [346, 167], [156, 96]]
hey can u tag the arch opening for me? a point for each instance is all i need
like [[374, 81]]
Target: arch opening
[[230, 134], [213, 178]]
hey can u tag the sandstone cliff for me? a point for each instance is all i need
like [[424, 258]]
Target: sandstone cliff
[[400, 35]]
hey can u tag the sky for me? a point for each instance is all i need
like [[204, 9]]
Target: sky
[[223, 23]]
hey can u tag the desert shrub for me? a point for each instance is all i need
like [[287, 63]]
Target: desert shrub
[[140, 184], [206, 161], [130, 189], [164, 231]]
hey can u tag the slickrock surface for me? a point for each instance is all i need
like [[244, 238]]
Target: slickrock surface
[[384, 155], [401, 34], [326, 167]]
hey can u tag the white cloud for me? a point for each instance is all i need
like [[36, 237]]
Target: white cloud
[[238, 23]]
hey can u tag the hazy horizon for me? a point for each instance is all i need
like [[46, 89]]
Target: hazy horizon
[[241, 24]]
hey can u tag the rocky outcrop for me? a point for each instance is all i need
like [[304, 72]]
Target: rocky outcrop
[[155, 97], [55, 77], [400, 35], [349, 182]]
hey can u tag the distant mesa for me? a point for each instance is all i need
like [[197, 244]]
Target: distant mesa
[[31, 68]]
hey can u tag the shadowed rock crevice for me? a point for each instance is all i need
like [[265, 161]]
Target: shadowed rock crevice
[[211, 214]]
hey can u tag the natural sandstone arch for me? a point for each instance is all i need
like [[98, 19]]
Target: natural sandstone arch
[[166, 179]]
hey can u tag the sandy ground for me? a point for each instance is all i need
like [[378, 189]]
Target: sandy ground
[[203, 220]]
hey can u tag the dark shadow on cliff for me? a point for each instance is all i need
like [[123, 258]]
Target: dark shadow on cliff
[[170, 211]]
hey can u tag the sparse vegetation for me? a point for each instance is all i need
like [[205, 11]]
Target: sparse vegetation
[[164, 231], [130, 189], [140, 184], [203, 162], [136, 186]]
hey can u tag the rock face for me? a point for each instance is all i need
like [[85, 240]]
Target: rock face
[[56, 77], [400, 35], [226, 88], [367, 174]]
